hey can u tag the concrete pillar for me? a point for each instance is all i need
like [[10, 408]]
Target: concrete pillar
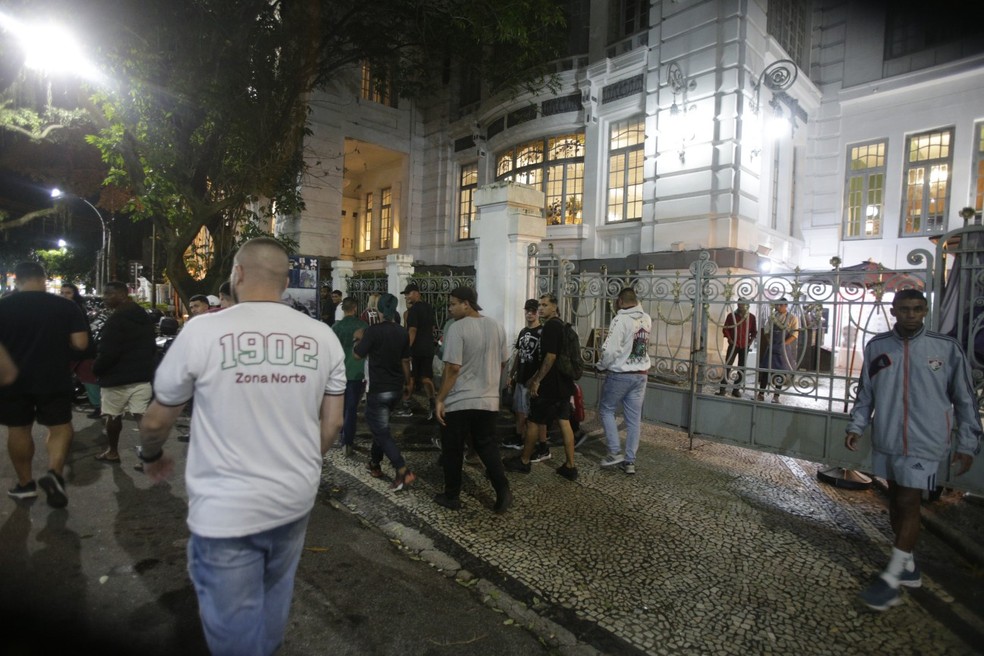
[[510, 218], [341, 269], [399, 268]]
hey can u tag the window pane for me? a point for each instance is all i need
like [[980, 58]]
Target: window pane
[[566, 147], [504, 164], [927, 173]]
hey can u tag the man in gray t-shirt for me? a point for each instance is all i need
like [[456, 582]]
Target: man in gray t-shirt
[[475, 351]]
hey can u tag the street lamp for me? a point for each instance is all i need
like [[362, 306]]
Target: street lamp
[[102, 262]]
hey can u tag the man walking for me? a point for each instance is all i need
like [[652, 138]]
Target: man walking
[[917, 384], [550, 394], [124, 364], [355, 369], [387, 347], [268, 384], [625, 356], [420, 327], [739, 330], [475, 351], [39, 331]]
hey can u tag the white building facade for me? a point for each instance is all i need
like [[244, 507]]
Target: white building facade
[[770, 133]]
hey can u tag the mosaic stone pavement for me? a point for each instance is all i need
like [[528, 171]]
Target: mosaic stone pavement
[[711, 550]]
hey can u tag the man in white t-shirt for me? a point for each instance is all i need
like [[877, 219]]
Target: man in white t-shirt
[[268, 384]]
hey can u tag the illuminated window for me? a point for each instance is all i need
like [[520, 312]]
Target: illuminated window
[[385, 217], [466, 200], [367, 224], [556, 167], [979, 169], [926, 177], [626, 140], [377, 86], [865, 190]]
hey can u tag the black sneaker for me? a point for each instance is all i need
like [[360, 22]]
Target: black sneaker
[[540, 453], [516, 465], [570, 473], [451, 503], [503, 502], [54, 486], [514, 442], [28, 490]]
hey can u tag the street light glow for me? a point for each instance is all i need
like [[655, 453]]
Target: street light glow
[[50, 48]]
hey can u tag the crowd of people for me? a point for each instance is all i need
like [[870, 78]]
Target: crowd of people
[[274, 388]]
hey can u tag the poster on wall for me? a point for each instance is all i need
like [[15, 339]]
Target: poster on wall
[[302, 285]]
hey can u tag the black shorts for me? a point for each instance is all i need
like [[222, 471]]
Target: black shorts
[[423, 366], [543, 412], [23, 409]]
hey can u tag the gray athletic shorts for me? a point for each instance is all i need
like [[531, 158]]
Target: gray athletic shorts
[[906, 471]]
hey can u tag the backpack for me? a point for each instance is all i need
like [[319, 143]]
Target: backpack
[[569, 361]]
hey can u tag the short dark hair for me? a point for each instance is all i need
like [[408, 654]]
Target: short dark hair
[[909, 295], [116, 286], [336, 291], [350, 303], [29, 270], [225, 288], [628, 295], [199, 297], [550, 297]]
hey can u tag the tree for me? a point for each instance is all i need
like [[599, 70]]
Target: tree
[[207, 122]]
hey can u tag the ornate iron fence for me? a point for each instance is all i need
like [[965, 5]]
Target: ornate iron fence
[[364, 284], [835, 313], [434, 289]]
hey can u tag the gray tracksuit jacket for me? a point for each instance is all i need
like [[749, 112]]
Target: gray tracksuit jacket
[[915, 388]]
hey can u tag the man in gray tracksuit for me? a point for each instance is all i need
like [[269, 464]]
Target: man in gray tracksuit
[[915, 383]]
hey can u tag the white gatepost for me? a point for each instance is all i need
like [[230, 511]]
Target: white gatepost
[[340, 270], [510, 218], [399, 268]]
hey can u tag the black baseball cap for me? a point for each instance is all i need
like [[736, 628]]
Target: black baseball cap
[[531, 305], [411, 287], [467, 294]]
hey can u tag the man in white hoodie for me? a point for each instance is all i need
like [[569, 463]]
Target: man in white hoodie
[[625, 356]]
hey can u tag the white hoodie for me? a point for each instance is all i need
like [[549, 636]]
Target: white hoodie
[[626, 348]]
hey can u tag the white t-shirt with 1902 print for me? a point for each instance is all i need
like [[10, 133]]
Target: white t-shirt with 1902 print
[[258, 372]]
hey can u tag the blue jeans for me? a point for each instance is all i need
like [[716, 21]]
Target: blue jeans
[[378, 408], [244, 587], [353, 393], [629, 390]]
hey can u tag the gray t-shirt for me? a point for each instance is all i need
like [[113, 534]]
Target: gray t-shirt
[[479, 345]]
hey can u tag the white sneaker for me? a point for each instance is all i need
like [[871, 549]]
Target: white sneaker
[[611, 460], [628, 467]]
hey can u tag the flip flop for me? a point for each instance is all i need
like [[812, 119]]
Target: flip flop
[[102, 457]]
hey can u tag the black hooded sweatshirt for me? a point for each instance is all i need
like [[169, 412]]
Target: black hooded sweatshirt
[[127, 348]]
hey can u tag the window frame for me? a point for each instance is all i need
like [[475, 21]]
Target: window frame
[[367, 223], [633, 157], [376, 87], [926, 198], [977, 188], [466, 201], [386, 217], [864, 177], [530, 163]]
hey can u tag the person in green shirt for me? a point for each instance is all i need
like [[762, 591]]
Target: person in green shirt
[[355, 369]]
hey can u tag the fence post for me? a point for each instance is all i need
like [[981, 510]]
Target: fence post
[[510, 218], [399, 268]]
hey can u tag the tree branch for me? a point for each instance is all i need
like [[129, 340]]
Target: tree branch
[[27, 218]]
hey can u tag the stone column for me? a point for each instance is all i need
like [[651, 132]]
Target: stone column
[[510, 218], [399, 268], [340, 269]]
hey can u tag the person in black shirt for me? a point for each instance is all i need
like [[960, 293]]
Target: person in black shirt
[[40, 330], [550, 393], [388, 348], [420, 327], [525, 364]]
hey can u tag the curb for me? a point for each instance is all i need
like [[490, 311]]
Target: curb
[[418, 546]]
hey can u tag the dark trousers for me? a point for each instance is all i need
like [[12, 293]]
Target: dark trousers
[[378, 409], [480, 424], [353, 392], [741, 353]]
